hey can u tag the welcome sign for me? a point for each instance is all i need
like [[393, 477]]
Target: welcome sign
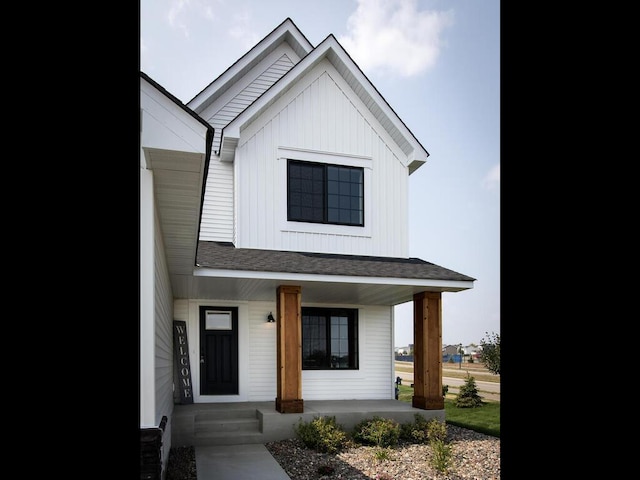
[[181, 349]]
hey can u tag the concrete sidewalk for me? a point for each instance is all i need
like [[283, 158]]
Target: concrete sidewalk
[[237, 462]]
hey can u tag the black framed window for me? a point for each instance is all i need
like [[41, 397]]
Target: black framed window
[[323, 193], [329, 338]]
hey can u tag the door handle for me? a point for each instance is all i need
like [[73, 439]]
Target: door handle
[[201, 358]]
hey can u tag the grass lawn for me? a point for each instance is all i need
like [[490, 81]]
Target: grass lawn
[[484, 419]]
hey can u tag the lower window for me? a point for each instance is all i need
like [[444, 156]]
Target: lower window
[[329, 338]]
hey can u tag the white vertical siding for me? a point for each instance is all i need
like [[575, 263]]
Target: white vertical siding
[[373, 380], [319, 114]]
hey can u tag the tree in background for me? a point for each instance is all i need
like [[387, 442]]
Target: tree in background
[[490, 355], [468, 396]]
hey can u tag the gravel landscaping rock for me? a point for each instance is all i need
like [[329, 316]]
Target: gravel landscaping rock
[[475, 456]]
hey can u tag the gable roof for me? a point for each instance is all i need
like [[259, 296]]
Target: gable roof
[[287, 32], [176, 143], [330, 49]]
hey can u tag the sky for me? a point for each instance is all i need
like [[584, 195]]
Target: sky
[[437, 64]]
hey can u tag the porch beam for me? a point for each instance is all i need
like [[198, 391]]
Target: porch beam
[[289, 355], [427, 344]]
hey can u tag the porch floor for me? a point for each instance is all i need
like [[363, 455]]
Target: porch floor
[[242, 423]]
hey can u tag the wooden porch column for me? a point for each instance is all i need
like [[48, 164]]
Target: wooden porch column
[[289, 338], [427, 351]]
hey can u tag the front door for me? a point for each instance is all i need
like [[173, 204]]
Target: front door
[[218, 350]]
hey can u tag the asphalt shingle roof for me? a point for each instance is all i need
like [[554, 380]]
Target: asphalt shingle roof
[[225, 256]]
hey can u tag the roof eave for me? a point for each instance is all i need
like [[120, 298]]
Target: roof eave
[[287, 31], [331, 49]]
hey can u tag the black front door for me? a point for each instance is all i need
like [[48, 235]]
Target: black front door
[[218, 350]]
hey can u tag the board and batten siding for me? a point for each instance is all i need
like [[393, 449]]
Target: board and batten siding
[[320, 116], [217, 214], [373, 380]]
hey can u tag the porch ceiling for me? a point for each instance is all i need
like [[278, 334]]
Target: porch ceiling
[[345, 291]]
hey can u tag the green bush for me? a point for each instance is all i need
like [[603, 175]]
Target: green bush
[[442, 457], [382, 453], [436, 430], [468, 396], [416, 431], [322, 434], [378, 431], [423, 431]]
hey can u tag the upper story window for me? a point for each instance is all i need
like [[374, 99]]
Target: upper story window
[[329, 338], [324, 193]]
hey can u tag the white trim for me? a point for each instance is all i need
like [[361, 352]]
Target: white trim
[[285, 153], [332, 50], [305, 277], [193, 331], [147, 326], [275, 37]]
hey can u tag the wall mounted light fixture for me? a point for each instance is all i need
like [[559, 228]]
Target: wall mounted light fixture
[[270, 318]]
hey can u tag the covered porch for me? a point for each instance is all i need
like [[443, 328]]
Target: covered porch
[[237, 423]]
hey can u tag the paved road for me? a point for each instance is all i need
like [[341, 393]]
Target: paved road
[[487, 390]]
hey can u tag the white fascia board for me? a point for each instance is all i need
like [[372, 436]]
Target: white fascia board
[[166, 125], [305, 277], [333, 51], [285, 31]]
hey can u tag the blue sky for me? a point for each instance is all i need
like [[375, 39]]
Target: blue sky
[[437, 63]]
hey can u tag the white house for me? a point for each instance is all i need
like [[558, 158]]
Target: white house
[[280, 192]]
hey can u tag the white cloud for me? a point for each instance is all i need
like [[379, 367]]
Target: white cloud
[[242, 30], [193, 9], [174, 16], [492, 179], [393, 36]]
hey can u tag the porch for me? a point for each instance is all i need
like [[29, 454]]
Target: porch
[[202, 424]]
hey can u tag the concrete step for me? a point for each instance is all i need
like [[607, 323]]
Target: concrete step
[[213, 415], [230, 426], [226, 426]]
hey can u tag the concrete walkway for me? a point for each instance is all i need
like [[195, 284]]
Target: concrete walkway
[[237, 462]]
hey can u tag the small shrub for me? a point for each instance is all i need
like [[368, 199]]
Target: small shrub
[[322, 434], [423, 431], [382, 454], [416, 431], [442, 457], [436, 430], [445, 390], [468, 396], [378, 431]]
